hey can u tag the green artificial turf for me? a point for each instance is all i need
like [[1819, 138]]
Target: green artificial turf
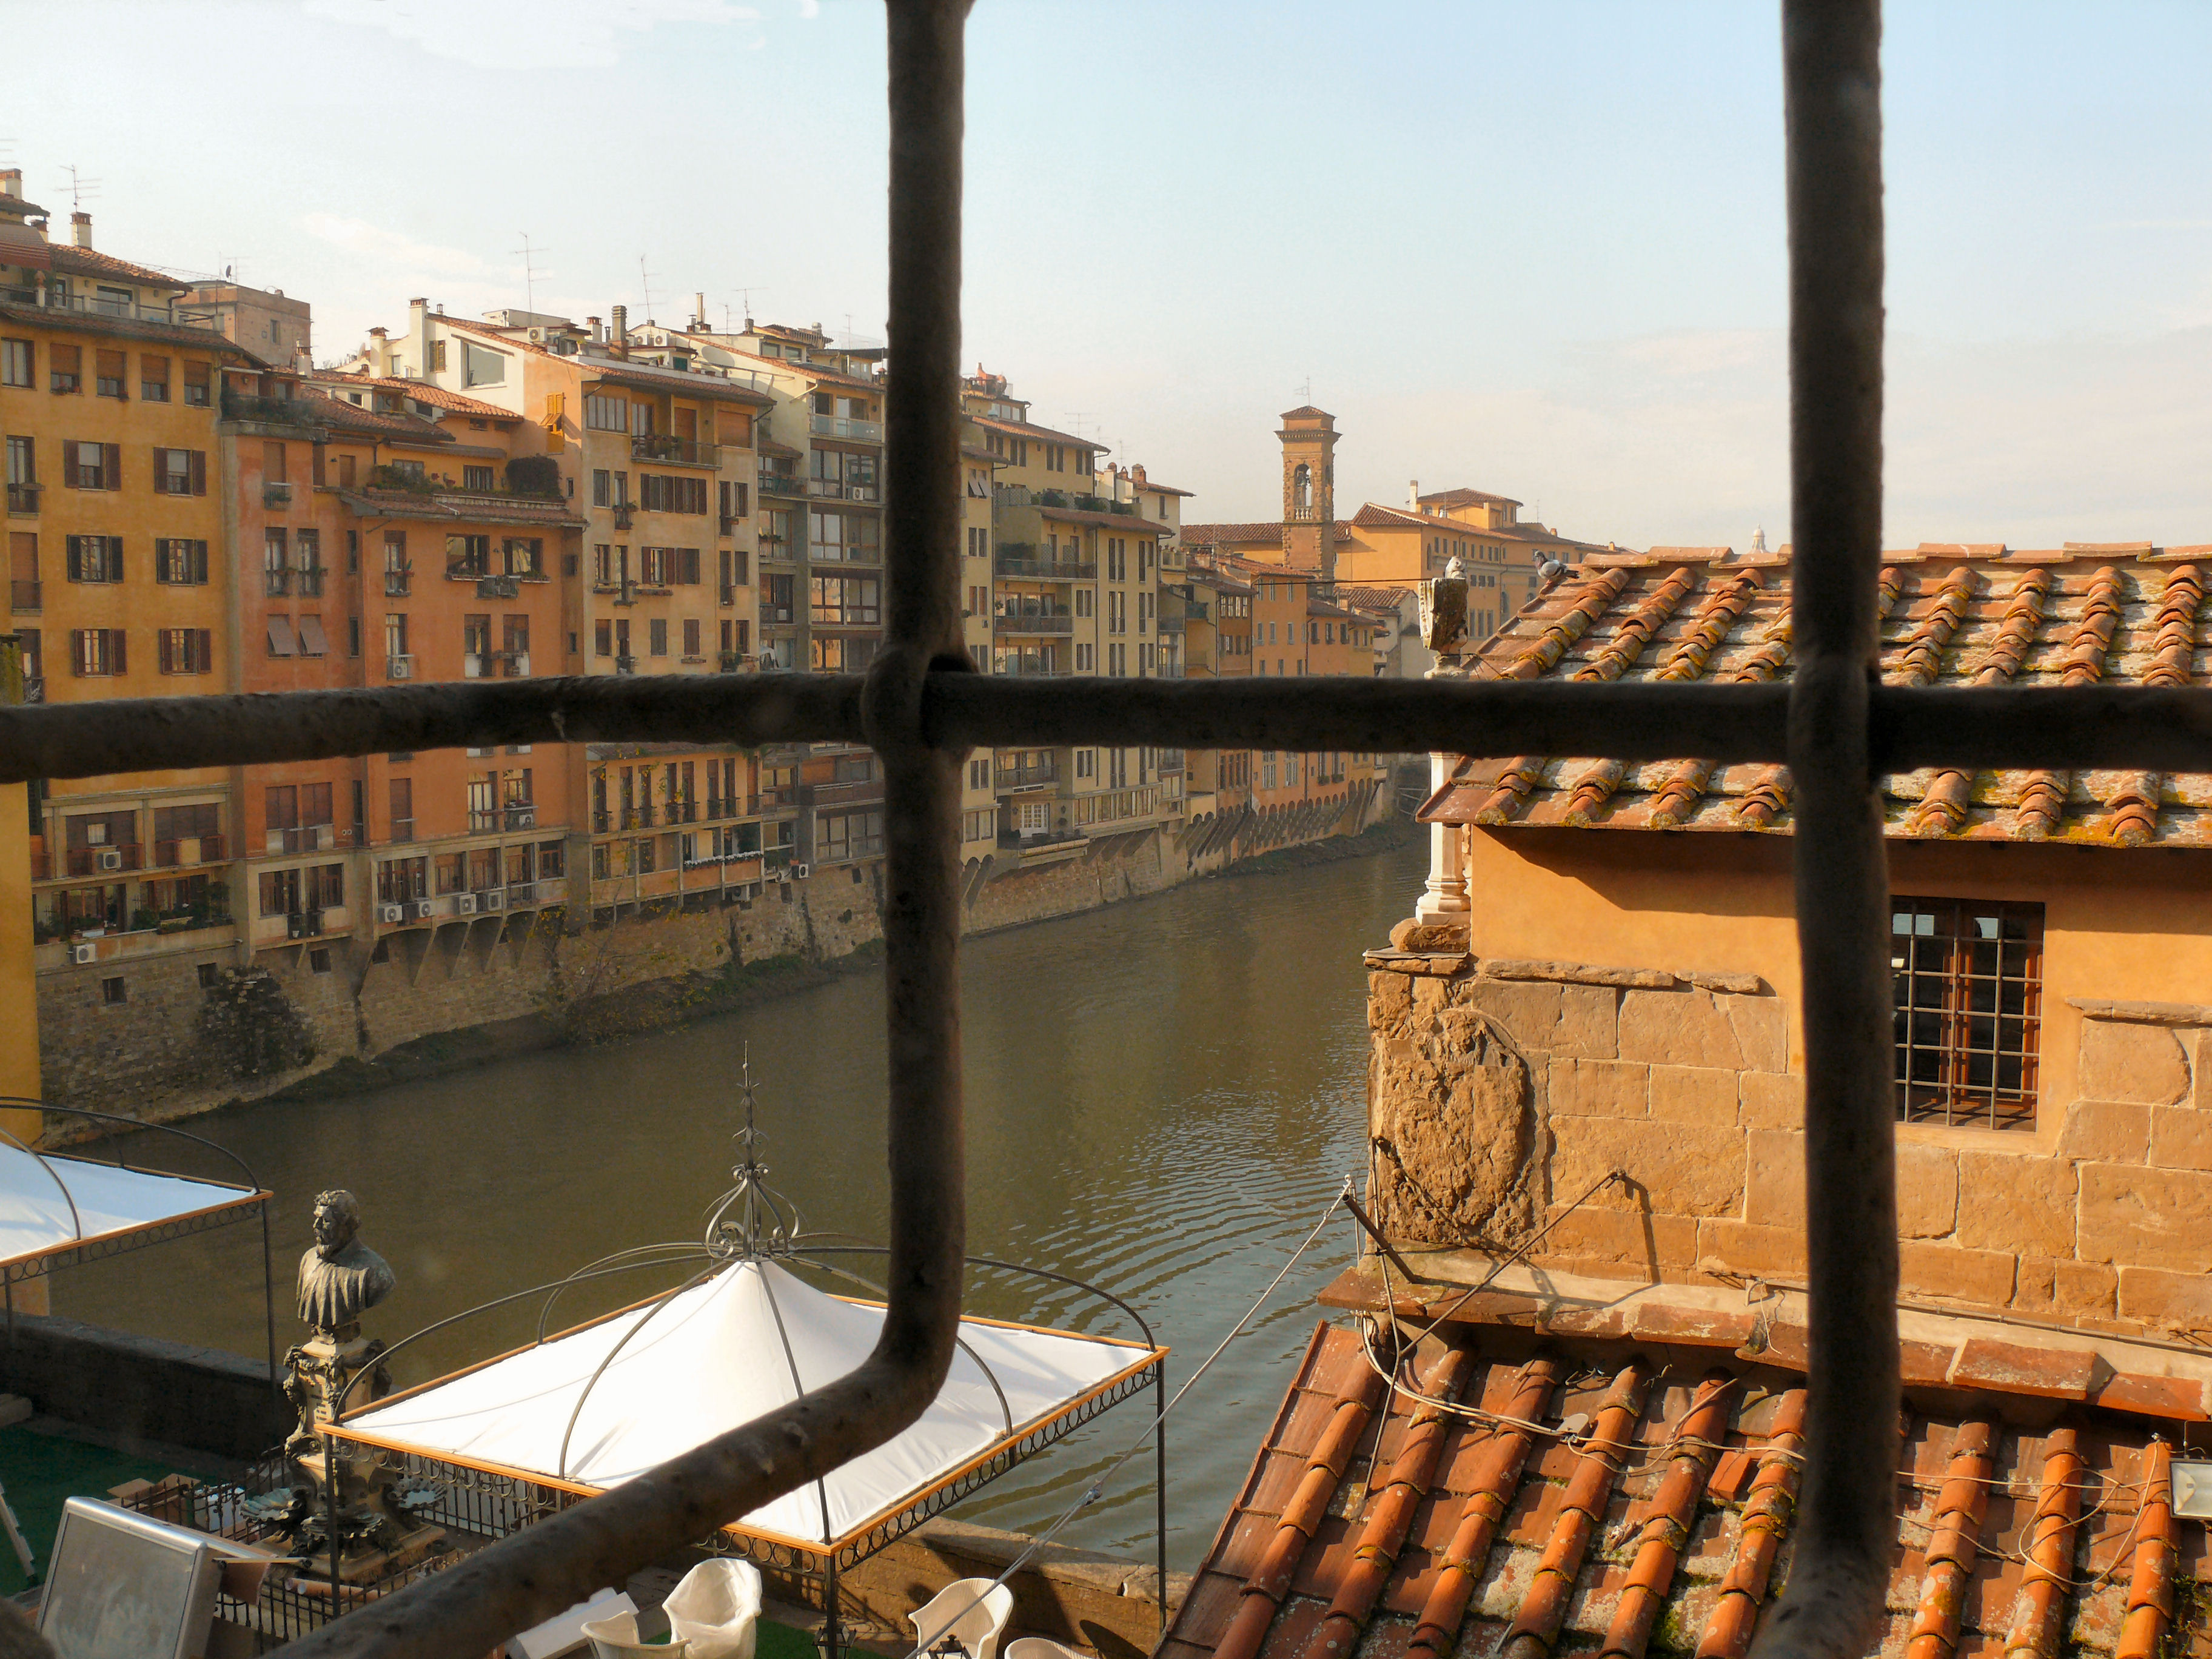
[[40, 1472], [775, 1641]]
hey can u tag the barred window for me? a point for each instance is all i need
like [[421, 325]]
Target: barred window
[[1968, 1000]]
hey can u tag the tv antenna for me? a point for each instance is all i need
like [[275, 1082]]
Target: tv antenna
[[80, 187], [1305, 390], [645, 281], [530, 256], [746, 297]]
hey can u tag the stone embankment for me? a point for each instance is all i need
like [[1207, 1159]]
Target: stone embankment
[[190, 1034]]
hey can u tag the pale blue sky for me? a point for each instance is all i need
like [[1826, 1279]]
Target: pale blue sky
[[1537, 248]]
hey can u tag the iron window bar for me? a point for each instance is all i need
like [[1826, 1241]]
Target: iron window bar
[[920, 707]]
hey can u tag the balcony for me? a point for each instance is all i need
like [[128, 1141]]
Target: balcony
[[403, 830], [513, 664], [311, 580], [276, 583], [863, 791], [625, 663], [397, 583], [276, 494], [625, 514], [778, 482], [680, 812], [1026, 777], [24, 497], [678, 451], [103, 860], [476, 665], [1029, 567], [307, 838], [98, 305], [838, 426], [1033, 622], [24, 597], [1301, 514], [190, 850], [521, 815], [304, 924], [637, 818], [836, 489]]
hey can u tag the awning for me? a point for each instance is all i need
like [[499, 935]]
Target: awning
[[721, 1353], [314, 642], [57, 1211], [281, 642]]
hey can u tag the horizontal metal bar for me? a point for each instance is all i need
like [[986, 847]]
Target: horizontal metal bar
[[2167, 730], [139, 734]]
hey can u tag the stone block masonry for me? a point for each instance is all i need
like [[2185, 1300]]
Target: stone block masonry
[[1500, 1092], [194, 1031]]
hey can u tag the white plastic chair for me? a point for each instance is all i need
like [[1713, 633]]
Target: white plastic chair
[[977, 1629], [617, 1639], [716, 1608], [1042, 1647]]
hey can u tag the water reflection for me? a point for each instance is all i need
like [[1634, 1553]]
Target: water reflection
[[1161, 1097]]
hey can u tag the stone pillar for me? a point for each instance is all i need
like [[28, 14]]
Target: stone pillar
[[1443, 895]]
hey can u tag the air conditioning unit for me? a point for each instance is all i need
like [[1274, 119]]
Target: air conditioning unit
[[82, 954], [494, 900], [423, 909], [108, 858], [800, 872], [323, 835], [389, 913], [464, 904], [522, 818], [400, 668]]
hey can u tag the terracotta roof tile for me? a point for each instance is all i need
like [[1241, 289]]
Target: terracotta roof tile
[[421, 391], [1950, 617], [74, 261], [1259, 530], [1591, 1506]]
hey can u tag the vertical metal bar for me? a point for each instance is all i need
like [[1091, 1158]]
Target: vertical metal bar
[[1833, 81], [1160, 1482]]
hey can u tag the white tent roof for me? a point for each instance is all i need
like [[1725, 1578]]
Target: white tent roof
[[713, 1358], [37, 1194]]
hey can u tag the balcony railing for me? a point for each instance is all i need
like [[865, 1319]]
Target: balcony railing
[[100, 306], [520, 816], [637, 818], [1300, 514], [1025, 777], [403, 829], [24, 497], [190, 849], [311, 580], [837, 490], [859, 793], [839, 426], [25, 596], [1045, 570], [681, 452], [307, 838], [104, 860], [774, 481], [396, 582], [1032, 622], [276, 583]]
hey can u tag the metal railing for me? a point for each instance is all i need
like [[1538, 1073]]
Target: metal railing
[[94, 305], [24, 497], [837, 490], [776, 481], [1045, 570], [678, 451], [103, 860], [190, 849], [24, 596], [1833, 723], [1033, 622], [840, 426]]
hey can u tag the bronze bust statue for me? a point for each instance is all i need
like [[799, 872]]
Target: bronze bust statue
[[340, 1277]]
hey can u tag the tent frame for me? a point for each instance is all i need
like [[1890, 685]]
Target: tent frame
[[252, 1200], [535, 1495]]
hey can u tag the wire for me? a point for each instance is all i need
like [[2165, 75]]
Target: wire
[[1096, 1488]]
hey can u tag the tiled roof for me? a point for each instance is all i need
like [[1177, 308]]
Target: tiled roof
[[74, 261], [423, 392], [646, 376], [319, 405], [1466, 498], [1261, 532], [1025, 430], [1607, 1498], [1386, 600], [1373, 516], [1303, 410], [2130, 615], [460, 505]]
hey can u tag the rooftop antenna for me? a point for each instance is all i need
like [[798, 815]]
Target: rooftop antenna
[[529, 270], [80, 186], [1305, 390], [645, 281]]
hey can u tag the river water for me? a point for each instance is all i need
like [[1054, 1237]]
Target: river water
[[1162, 1099]]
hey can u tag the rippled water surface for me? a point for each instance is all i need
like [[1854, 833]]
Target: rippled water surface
[[1162, 1097]]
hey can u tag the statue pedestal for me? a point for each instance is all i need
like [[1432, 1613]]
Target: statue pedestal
[[347, 1484]]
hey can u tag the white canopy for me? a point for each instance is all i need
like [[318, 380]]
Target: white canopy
[[49, 1204], [712, 1359]]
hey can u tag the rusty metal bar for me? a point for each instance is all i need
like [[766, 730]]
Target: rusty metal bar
[[540, 1569], [2100, 726], [1832, 75]]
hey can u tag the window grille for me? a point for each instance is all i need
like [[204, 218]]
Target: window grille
[[1969, 1011], [921, 711]]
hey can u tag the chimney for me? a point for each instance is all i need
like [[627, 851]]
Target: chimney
[[301, 362], [592, 331], [81, 229], [11, 182], [1412, 494], [1138, 473], [380, 351], [699, 310], [618, 332]]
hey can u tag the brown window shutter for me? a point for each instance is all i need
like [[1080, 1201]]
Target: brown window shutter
[[205, 660], [76, 651], [117, 665], [160, 466], [165, 650], [199, 472], [75, 545], [112, 467], [69, 463]]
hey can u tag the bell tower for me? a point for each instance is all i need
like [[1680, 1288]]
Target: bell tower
[[1309, 436]]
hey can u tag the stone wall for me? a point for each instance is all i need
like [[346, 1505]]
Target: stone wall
[[1503, 1092], [158, 1051], [201, 1399]]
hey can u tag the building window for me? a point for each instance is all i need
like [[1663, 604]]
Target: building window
[[92, 466], [180, 472], [181, 563], [112, 991], [97, 650], [1967, 1000], [606, 415], [15, 363], [187, 650], [95, 558], [109, 370], [658, 635], [154, 378], [196, 384], [479, 478], [65, 367]]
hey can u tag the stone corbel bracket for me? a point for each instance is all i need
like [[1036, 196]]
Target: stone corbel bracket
[[1435, 965]]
